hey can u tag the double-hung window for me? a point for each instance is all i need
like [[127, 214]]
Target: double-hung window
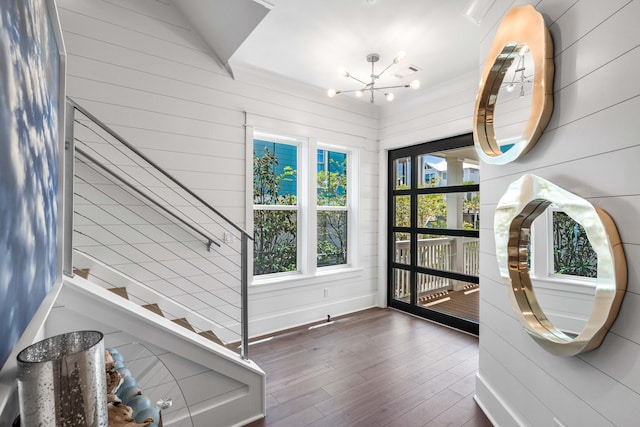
[[275, 205], [302, 208], [332, 208]]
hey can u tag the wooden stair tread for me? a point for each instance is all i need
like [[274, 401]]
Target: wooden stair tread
[[154, 308], [234, 346], [184, 323], [210, 335], [82, 272], [120, 291]]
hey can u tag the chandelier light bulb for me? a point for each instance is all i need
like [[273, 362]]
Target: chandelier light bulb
[[369, 85], [510, 88]]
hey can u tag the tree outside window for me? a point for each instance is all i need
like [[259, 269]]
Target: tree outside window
[[278, 201], [275, 216], [572, 251], [332, 208]]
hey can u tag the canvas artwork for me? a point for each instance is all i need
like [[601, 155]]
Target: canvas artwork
[[29, 95]]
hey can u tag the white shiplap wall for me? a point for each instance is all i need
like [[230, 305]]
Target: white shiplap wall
[[430, 115], [590, 147], [140, 68]]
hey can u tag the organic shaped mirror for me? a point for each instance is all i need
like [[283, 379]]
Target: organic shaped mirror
[[525, 200], [519, 64]]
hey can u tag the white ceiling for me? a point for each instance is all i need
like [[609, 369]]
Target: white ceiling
[[308, 40]]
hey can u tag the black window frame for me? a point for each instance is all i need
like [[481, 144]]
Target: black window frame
[[413, 152]]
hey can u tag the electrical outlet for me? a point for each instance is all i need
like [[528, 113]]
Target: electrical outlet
[[326, 292], [229, 238]]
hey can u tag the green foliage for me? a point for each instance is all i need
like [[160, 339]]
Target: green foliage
[[332, 225], [432, 211], [275, 231], [572, 252]]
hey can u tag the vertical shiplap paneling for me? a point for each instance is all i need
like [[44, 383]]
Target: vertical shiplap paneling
[[141, 69], [590, 147]]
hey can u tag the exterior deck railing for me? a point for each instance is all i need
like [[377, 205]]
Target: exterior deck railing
[[437, 253]]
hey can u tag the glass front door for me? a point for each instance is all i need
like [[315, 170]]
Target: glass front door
[[434, 205]]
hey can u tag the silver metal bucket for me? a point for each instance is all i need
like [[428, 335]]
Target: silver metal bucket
[[61, 381]]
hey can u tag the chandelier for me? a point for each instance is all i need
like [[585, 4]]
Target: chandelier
[[518, 78], [371, 85]]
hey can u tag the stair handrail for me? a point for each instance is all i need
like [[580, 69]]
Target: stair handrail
[[141, 193], [68, 221], [154, 164]]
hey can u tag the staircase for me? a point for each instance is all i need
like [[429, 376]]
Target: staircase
[[144, 228], [145, 254]]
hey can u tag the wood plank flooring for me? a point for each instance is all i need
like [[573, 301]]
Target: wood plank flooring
[[377, 367], [459, 304]]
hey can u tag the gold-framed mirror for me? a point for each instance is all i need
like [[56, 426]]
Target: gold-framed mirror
[[520, 61], [524, 201]]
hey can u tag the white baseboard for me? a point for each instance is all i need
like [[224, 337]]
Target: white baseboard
[[494, 407]]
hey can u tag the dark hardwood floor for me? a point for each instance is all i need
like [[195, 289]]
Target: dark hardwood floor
[[377, 367]]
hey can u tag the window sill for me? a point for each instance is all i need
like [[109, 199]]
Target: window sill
[[568, 283], [263, 285]]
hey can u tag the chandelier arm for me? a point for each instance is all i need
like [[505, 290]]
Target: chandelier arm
[[351, 90], [383, 71], [391, 87], [357, 79]]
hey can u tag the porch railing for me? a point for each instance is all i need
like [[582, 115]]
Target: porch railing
[[134, 216], [437, 253]]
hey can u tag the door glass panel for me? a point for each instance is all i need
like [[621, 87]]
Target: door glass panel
[[455, 211], [449, 296], [438, 171], [449, 253], [402, 173], [402, 285], [402, 210], [402, 248]]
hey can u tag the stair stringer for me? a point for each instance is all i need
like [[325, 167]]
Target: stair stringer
[[93, 302]]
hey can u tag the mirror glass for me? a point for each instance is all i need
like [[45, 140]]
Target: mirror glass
[[513, 102], [515, 98], [562, 262], [563, 267]]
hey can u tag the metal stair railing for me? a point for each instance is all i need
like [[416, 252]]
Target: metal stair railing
[[181, 244]]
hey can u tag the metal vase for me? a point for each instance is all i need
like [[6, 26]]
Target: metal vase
[[61, 381]]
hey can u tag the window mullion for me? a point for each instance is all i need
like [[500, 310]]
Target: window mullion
[[311, 245]]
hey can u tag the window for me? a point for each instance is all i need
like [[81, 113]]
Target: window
[[275, 206], [332, 209], [560, 246], [289, 197]]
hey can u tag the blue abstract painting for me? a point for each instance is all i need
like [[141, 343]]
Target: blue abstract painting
[[29, 95]]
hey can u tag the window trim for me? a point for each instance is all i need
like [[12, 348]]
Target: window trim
[[542, 267], [307, 206]]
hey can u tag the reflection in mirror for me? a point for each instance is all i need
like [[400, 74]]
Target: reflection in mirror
[[548, 305], [563, 270], [513, 102], [518, 72]]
